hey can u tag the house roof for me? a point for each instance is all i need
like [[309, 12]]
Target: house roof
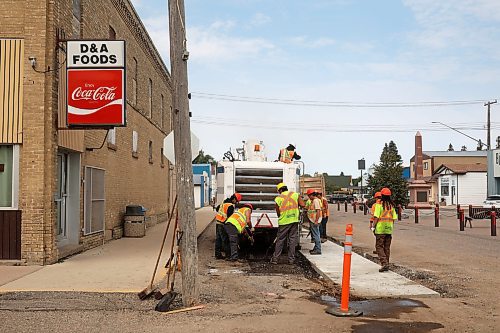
[[472, 153], [462, 168], [339, 181]]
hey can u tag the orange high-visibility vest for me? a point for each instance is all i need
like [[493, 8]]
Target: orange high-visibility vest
[[385, 223], [324, 207], [286, 156], [222, 213]]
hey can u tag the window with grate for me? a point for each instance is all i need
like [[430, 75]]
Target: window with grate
[[150, 151], [150, 97], [134, 82], [94, 201], [135, 142], [161, 111]]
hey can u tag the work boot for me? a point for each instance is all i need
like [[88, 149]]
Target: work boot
[[314, 252], [384, 268], [273, 261]]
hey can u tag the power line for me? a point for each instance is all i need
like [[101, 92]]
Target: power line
[[337, 104]]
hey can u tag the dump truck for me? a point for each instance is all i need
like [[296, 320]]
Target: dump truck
[[255, 178]]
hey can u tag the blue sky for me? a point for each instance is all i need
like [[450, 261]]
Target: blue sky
[[357, 51]]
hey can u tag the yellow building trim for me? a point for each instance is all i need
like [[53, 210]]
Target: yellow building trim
[[11, 90]]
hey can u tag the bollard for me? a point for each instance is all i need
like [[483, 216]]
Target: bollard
[[400, 210], [493, 221], [338, 205], [458, 211], [346, 280], [354, 207], [416, 214], [345, 206], [436, 216], [365, 209], [461, 220]]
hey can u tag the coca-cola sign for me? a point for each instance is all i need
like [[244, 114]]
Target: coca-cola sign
[[96, 97]]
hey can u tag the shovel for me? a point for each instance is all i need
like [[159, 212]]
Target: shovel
[[146, 292], [167, 300]]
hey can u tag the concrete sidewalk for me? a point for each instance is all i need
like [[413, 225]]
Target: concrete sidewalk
[[366, 280], [123, 265]]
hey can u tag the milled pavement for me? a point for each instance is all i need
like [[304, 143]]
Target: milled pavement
[[124, 265], [366, 280]]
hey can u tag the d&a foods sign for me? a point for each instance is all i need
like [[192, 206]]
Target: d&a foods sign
[[96, 83]]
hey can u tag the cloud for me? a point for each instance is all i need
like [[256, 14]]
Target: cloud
[[305, 41], [259, 19]]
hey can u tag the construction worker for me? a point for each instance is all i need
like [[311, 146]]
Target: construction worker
[[224, 210], [325, 213], [384, 217], [287, 208], [313, 206], [288, 154], [376, 200], [235, 225]]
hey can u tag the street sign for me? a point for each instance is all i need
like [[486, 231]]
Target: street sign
[[169, 151]]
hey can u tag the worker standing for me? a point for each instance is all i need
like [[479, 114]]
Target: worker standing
[[288, 154], [224, 210], [325, 213], [313, 206], [287, 208], [235, 225], [384, 217]]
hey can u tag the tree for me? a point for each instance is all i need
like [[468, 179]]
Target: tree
[[204, 159], [389, 173]]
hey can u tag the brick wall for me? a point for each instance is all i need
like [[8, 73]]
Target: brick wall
[[128, 180]]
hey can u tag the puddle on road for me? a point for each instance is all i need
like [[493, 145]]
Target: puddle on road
[[378, 308], [376, 326]]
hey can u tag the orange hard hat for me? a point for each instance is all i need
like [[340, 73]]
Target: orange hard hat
[[385, 191], [377, 195], [310, 191], [237, 196]]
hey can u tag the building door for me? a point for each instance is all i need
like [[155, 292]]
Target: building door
[[453, 191], [62, 196]]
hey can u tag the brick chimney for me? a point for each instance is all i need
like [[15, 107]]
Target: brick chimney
[[419, 163]]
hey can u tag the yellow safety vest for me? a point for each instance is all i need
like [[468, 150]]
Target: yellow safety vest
[[286, 156], [222, 213], [311, 212], [385, 224], [239, 219], [324, 207], [288, 203]]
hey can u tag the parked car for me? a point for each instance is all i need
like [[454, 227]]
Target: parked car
[[492, 200], [341, 198]]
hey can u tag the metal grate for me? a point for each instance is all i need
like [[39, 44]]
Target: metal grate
[[258, 186]]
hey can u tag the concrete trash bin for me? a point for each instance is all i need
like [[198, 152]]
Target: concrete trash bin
[[135, 226]]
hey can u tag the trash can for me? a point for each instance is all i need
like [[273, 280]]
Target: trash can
[[134, 221]]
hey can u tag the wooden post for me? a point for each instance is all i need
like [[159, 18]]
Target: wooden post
[[182, 145]]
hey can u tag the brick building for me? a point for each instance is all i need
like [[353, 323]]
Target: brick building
[[61, 190]]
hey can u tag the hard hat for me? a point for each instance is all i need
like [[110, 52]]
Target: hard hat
[[237, 196], [385, 191], [310, 191], [377, 195], [248, 205], [280, 185]]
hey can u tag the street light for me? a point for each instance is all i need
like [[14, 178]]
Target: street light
[[479, 142]]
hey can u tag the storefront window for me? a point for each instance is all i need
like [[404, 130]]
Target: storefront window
[[6, 172]]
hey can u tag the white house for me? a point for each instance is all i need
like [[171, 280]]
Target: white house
[[464, 184]]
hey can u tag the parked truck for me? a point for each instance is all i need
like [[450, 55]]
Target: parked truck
[[255, 178], [310, 182]]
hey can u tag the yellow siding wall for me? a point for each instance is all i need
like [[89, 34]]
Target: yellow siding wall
[[11, 90]]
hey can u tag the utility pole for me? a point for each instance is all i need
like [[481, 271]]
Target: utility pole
[[182, 145], [488, 104]]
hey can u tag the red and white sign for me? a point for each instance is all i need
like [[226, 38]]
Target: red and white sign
[[95, 97]]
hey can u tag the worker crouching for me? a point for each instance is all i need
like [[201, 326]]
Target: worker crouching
[[384, 217], [224, 210], [235, 225]]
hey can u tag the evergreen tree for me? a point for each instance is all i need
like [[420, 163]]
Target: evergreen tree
[[204, 159], [389, 173]]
